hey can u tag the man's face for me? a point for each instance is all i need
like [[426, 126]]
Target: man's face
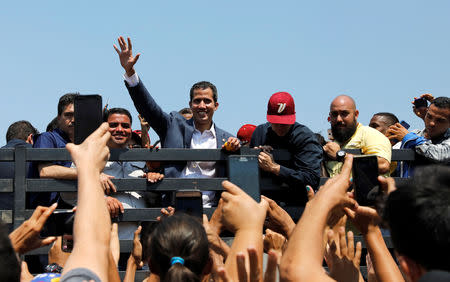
[[281, 129], [379, 123], [343, 120], [437, 121], [120, 129], [66, 121], [203, 106]]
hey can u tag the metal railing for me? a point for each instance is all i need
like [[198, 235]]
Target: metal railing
[[242, 170]]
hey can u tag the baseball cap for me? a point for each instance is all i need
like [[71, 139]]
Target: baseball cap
[[245, 132], [281, 108]]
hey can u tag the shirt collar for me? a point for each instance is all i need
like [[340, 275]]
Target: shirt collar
[[212, 130]]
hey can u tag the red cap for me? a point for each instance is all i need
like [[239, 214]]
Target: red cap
[[245, 132], [281, 108]]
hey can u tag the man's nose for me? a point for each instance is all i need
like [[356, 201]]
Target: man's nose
[[339, 118]]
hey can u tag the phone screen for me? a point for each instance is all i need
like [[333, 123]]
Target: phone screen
[[58, 224], [189, 202], [365, 182], [67, 243], [88, 116]]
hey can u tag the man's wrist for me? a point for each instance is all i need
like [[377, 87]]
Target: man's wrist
[[275, 169], [130, 72]]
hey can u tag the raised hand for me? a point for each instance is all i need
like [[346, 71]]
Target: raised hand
[[278, 219], [26, 237], [126, 55], [342, 258]]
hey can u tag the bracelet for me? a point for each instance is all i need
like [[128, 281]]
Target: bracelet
[[53, 268]]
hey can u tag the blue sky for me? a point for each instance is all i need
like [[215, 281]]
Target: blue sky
[[382, 53]]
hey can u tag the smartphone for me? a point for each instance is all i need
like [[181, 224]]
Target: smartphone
[[67, 243], [365, 182], [88, 116], [330, 135], [189, 202], [60, 222], [404, 124]]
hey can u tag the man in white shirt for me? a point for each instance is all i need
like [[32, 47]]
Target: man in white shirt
[[173, 129]]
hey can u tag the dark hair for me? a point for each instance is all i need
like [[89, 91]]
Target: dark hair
[[418, 214], [120, 111], [185, 110], [9, 265], [320, 139], [20, 130], [441, 102], [52, 125], [204, 85], [66, 100], [179, 236], [390, 117]]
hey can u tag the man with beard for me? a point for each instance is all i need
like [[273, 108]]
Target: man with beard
[[349, 134]]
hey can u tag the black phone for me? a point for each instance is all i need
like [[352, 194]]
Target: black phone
[[88, 116], [67, 243], [404, 124], [189, 202], [60, 222], [365, 179]]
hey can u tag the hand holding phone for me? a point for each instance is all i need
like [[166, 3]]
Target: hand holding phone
[[365, 179]]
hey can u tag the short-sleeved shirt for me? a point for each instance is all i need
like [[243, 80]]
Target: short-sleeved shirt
[[370, 141], [55, 139]]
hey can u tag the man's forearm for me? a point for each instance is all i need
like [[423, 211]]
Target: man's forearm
[[57, 172], [384, 265], [304, 252], [435, 152]]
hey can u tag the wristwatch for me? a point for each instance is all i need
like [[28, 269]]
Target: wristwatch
[[53, 268], [340, 155]]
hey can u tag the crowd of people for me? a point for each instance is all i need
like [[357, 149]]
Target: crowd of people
[[181, 248]]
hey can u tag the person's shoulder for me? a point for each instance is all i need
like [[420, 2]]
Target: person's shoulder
[[299, 128]]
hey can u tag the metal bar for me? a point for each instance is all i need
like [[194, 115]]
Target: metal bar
[[20, 171], [6, 185], [7, 154], [138, 184]]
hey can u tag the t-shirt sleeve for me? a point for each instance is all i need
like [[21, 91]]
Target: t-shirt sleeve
[[375, 143], [80, 274]]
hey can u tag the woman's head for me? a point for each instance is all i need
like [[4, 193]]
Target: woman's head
[[179, 236]]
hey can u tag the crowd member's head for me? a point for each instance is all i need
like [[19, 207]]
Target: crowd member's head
[[203, 103], [437, 119], [418, 215], [22, 130], [9, 265], [281, 112], [66, 114], [343, 118], [186, 113], [52, 125], [179, 249], [382, 121], [119, 120], [245, 133]]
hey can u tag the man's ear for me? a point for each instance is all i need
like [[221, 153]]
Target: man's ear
[[30, 139], [216, 104], [329, 119], [356, 113], [410, 268]]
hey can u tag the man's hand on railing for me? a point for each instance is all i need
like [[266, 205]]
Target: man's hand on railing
[[166, 213], [26, 237], [278, 219], [342, 258], [114, 206], [153, 177], [107, 184], [331, 148]]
